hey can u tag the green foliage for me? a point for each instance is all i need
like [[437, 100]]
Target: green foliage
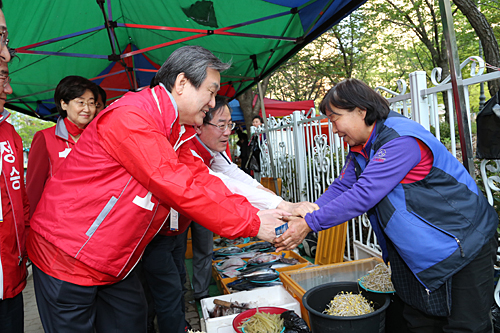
[[27, 126], [444, 133]]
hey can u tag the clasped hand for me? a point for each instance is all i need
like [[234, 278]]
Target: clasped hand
[[293, 213]]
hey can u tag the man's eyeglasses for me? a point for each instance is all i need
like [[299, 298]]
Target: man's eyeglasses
[[4, 38], [4, 80], [224, 127], [82, 104]]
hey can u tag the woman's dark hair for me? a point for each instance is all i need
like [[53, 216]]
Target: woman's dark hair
[[220, 103], [70, 88], [258, 117], [350, 94], [102, 92]]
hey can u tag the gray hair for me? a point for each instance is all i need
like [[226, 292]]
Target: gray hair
[[193, 61]]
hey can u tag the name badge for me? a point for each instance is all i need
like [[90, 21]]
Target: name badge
[[174, 220]]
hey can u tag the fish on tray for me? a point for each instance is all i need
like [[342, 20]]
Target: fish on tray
[[265, 271], [234, 262], [260, 246], [262, 276], [242, 284], [263, 258], [227, 251]]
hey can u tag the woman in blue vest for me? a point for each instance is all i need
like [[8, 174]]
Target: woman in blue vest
[[434, 225]]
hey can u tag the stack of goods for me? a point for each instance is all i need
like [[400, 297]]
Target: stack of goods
[[243, 251], [250, 266], [224, 242], [258, 271]]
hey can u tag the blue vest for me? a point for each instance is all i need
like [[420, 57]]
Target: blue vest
[[438, 224]]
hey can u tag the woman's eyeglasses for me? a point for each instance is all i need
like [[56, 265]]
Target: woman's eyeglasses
[[82, 104]]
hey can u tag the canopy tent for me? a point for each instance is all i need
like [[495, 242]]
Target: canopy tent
[[273, 107], [113, 79], [97, 39], [277, 108]]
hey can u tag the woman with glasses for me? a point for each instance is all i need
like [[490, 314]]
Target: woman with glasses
[[75, 98]]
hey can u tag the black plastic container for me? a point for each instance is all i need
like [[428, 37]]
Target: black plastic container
[[317, 298]]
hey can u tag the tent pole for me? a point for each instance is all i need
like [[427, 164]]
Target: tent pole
[[457, 86], [114, 41], [269, 146]]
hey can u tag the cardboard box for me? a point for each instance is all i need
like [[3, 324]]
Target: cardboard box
[[268, 296]]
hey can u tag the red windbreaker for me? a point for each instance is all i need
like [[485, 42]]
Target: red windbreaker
[[48, 150], [15, 212], [102, 207]]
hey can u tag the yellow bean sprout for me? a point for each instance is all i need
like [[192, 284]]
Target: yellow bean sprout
[[348, 305], [379, 279], [262, 322]]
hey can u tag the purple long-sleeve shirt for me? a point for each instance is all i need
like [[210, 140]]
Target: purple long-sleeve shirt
[[348, 198]]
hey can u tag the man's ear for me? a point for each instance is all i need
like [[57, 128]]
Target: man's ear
[[197, 129], [180, 83]]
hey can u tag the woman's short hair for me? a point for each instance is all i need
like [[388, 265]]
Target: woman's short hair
[[220, 103], [102, 92], [70, 88], [350, 94]]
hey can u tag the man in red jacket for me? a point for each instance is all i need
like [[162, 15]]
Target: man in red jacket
[[4, 37], [121, 183], [14, 217]]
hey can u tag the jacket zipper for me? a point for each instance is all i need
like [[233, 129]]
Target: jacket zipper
[[20, 256], [462, 253], [460, 246]]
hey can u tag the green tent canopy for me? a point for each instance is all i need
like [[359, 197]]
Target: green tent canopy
[[120, 43]]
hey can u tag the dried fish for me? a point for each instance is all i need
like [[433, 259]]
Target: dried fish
[[226, 251], [259, 272], [259, 246], [263, 258], [242, 284], [234, 263]]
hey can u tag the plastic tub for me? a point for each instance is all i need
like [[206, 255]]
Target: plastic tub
[[242, 317], [316, 299]]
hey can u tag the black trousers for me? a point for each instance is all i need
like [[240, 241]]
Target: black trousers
[[472, 298], [12, 314], [203, 247], [165, 274], [67, 307]]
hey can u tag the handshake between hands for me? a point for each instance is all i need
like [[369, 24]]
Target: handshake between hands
[[293, 213]]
